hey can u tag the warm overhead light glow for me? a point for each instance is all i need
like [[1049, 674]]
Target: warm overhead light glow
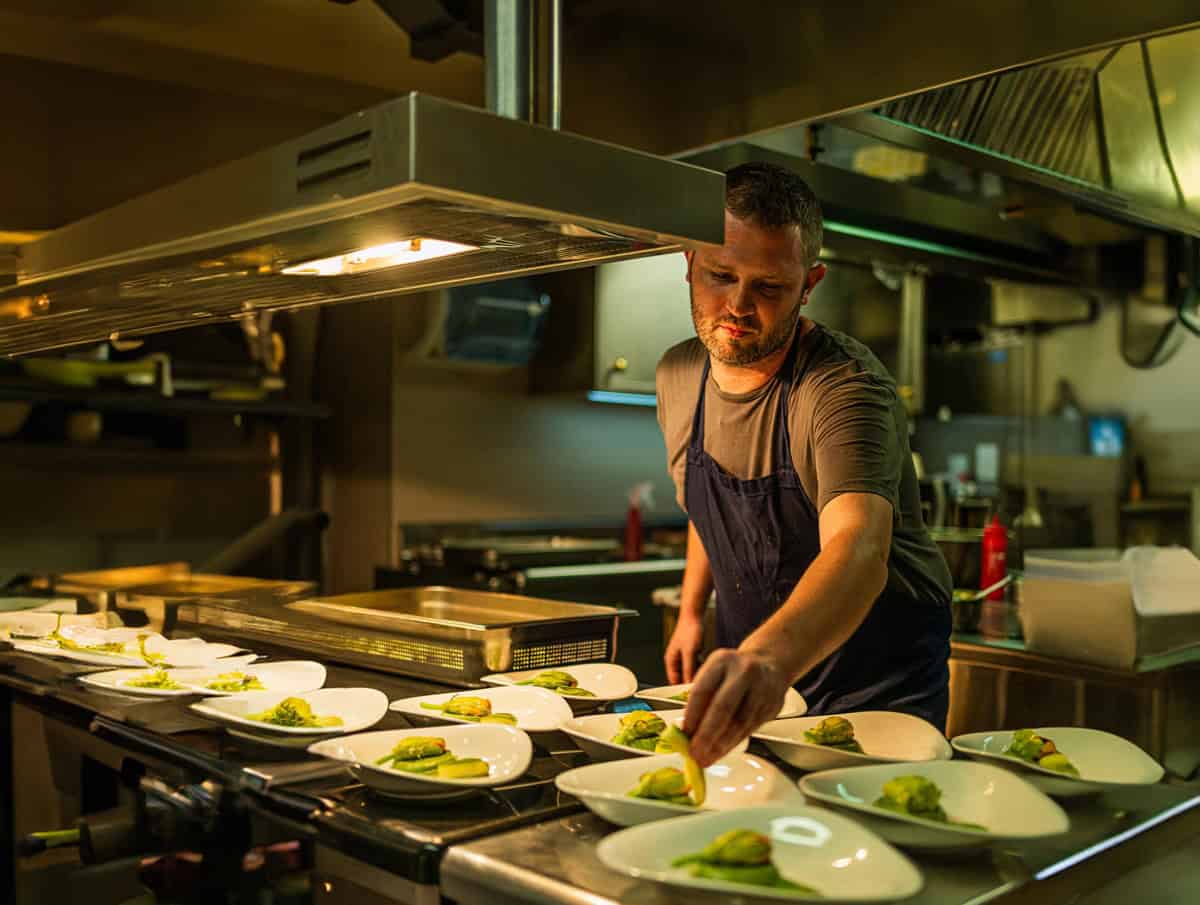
[[377, 257]]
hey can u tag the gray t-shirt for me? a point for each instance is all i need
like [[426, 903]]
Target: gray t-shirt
[[849, 434]]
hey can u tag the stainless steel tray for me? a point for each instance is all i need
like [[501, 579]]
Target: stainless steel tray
[[448, 634], [516, 552]]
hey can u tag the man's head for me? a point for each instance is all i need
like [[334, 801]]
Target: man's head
[[747, 294]]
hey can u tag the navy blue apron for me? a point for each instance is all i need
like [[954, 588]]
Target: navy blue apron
[[761, 535]]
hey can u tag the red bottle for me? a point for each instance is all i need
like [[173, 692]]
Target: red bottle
[[994, 562]]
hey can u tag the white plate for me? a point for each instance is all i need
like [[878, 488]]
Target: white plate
[[735, 781], [117, 680], [793, 702], [536, 709], [182, 652], [38, 623], [508, 752], [1101, 758], [607, 682], [593, 733], [886, 737], [359, 708], [1003, 803], [835, 856], [287, 676]]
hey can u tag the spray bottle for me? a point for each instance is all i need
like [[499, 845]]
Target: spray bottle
[[640, 495]]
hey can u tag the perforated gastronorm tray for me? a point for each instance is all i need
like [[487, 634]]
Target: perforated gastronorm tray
[[448, 634]]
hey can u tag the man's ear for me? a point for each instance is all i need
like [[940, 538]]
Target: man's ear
[[689, 256], [815, 274]]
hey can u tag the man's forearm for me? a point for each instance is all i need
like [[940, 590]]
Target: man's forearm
[[828, 603], [697, 578]]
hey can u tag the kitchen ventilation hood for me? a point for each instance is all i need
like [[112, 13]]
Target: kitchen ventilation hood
[[1115, 130], [413, 194]]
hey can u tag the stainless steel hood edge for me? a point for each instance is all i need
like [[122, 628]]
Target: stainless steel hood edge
[[524, 199], [412, 146]]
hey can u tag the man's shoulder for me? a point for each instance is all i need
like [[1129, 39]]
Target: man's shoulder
[[835, 357], [681, 364], [683, 356]]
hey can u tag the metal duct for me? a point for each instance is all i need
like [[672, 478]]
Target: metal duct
[[1116, 129]]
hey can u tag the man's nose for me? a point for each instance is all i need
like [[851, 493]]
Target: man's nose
[[738, 302]]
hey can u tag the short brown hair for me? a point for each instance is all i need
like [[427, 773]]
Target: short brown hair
[[774, 197]]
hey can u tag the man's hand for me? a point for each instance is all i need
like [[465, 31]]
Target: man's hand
[[684, 649], [736, 691]]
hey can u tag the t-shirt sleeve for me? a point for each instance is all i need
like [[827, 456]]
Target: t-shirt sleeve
[[855, 447], [664, 384]]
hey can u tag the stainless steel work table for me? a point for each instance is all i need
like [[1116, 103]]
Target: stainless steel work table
[[555, 863]]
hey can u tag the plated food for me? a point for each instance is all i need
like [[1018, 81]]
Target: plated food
[[534, 709], [150, 681], [586, 686], [741, 857], [853, 739], [940, 805], [270, 713], [834, 732], [296, 713], [1032, 748], [429, 754], [793, 853], [287, 676], [129, 647], [405, 763], [1064, 761], [670, 696], [918, 797], [643, 789], [609, 736], [471, 708]]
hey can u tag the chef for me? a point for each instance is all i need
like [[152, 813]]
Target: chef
[[788, 446]]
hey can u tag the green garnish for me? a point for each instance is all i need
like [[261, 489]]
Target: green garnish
[[158, 678], [473, 709], [559, 681], [664, 784], [234, 682], [295, 713], [916, 796], [427, 754], [739, 856], [834, 732], [1032, 748]]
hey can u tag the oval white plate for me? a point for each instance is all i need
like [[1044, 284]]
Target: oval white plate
[[536, 709], [359, 708], [288, 676], [886, 737], [117, 679], [834, 855], [182, 652], [607, 682], [793, 702], [507, 751], [593, 733], [1003, 803], [735, 781], [1102, 759]]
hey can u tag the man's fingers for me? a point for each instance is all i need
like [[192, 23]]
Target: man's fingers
[[721, 717], [671, 660], [689, 664]]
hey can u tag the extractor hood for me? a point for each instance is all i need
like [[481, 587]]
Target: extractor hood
[[413, 194], [1115, 130]]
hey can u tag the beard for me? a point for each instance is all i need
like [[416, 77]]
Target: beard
[[742, 350]]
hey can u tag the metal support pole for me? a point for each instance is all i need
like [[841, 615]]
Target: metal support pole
[[506, 57], [554, 64]]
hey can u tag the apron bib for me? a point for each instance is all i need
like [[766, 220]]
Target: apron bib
[[761, 535]]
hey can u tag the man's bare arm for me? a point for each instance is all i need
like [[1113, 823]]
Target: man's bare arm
[[738, 690], [685, 644]]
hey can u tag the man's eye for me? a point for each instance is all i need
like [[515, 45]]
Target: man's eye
[[721, 277], [769, 288]]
